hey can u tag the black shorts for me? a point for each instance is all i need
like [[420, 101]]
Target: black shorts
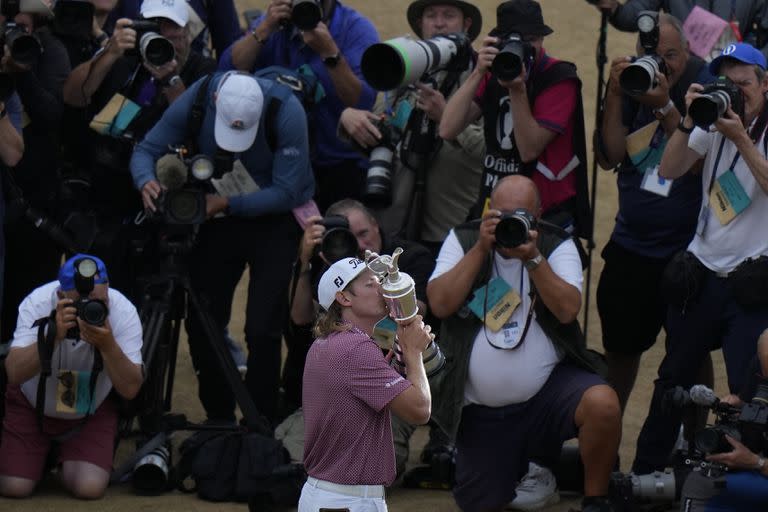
[[494, 444], [629, 302]]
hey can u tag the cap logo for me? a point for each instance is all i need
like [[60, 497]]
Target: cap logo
[[338, 281], [168, 3], [237, 125], [730, 49]]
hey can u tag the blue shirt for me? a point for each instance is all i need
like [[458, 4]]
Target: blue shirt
[[353, 35], [13, 110], [221, 21], [649, 224], [284, 177]]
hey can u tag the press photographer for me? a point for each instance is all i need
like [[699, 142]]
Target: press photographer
[[255, 131], [532, 116], [656, 218], [37, 70], [527, 380], [124, 89], [420, 186], [720, 299], [331, 51], [76, 339], [745, 486], [350, 390]]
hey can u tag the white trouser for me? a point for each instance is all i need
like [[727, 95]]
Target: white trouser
[[318, 494]]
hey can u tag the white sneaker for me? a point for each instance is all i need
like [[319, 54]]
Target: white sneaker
[[536, 490]]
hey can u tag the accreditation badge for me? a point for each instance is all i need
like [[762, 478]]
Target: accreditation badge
[[494, 303], [728, 198]]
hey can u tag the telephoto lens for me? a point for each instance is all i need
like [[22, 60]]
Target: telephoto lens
[[306, 14], [640, 76], [150, 476], [513, 54], [378, 180], [25, 48], [155, 49], [715, 100], [513, 228], [338, 241]]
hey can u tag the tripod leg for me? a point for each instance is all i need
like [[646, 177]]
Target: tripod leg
[[214, 334]]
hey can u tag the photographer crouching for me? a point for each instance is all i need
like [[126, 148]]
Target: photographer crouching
[[350, 389], [256, 132], [722, 301], [76, 339], [744, 488]]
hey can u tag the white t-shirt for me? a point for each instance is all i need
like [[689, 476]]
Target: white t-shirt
[[502, 377], [722, 248], [75, 355]]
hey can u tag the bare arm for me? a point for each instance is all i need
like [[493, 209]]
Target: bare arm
[[302, 307], [414, 405], [247, 49], [11, 142], [531, 138], [126, 376], [560, 297], [461, 110], [678, 158], [347, 85], [22, 364], [757, 163], [86, 78]]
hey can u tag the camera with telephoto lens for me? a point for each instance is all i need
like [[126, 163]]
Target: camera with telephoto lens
[[640, 77], [378, 181], [714, 101], [306, 14], [338, 241], [403, 61], [153, 48], [92, 311], [25, 47], [513, 228], [73, 18], [514, 55], [186, 182]]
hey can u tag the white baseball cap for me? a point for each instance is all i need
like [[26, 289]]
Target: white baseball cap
[[239, 102], [175, 10], [337, 278]]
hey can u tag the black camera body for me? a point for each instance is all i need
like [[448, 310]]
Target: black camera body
[[714, 101], [338, 240], [91, 311], [513, 228], [514, 55], [150, 45], [25, 47], [187, 181], [640, 77], [378, 180]]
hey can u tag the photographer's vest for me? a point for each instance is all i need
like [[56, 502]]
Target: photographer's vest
[[502, 157], [459, 331]]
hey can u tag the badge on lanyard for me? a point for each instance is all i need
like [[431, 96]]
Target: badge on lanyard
[[728, 198], [656, 184], [494, 303]]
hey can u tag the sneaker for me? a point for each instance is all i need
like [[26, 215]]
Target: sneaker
[[238, 356], [536, 490]]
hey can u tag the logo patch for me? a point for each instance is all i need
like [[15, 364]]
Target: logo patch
[[338, 281]]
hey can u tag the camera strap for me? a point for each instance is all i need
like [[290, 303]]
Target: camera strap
[[45, 346]]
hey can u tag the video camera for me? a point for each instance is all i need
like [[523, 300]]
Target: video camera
[[338, 241], [514, 55], [513, 228], [186, 181], [92, 311], [640, 77], [748, 424], [716, 97], [403, 61], [150, 45]]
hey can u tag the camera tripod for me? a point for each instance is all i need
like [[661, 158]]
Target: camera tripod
[[168, 292]]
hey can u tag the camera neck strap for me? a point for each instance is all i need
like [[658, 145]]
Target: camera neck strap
[[46, 341], [528, 319], [758, 127]]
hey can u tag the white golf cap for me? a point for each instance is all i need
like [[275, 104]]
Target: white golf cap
[[175, 10], [239, 102], [337, 278]]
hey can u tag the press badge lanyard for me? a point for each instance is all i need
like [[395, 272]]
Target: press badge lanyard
[[717, 163], [528, 319]]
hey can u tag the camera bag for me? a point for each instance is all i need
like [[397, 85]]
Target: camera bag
[[749, 283], [238, 466], [682, 279]]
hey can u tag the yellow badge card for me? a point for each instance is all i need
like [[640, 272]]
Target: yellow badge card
[[728, 198], [494, 303]]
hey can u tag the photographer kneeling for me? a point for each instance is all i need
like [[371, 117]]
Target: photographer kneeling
[[745, 487], [75, 340]]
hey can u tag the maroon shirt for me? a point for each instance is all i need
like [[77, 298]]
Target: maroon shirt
[[347, 430]]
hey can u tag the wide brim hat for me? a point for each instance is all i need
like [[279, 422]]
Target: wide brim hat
[[522, 17], [416, 10]]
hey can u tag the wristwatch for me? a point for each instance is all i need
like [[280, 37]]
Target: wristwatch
[[333, 60], [681, 126], [760, 463], [662, 112], [534, 262]]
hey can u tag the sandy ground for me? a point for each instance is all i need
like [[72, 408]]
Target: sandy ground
[[576, 25]]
